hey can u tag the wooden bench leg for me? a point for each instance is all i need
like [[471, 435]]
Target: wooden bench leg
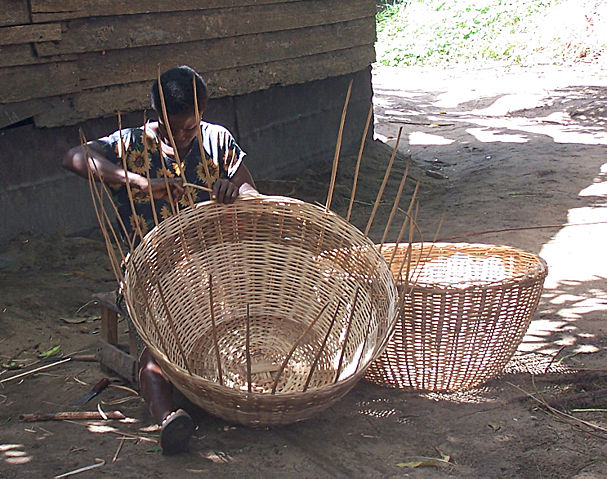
[[110, 354], [109, 325]]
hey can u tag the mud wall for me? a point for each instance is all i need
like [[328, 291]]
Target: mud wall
[[278, 72]]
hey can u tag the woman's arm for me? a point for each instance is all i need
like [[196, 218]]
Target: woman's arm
[[110, 173]]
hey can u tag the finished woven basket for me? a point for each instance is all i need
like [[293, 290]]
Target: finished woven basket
[[262, 312], [468, 310]]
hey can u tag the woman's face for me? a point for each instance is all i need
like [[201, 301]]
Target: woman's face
[[184, 128]]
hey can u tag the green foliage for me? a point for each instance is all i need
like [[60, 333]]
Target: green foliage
[[429, 32]]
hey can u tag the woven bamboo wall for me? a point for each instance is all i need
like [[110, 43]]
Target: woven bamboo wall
[[65, 61]]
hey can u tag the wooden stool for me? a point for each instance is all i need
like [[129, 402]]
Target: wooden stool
[[111, 354]]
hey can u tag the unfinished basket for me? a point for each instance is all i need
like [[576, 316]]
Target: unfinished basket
[[263, 312], [467, 313]]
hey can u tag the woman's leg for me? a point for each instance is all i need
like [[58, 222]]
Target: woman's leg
[[157, 392]]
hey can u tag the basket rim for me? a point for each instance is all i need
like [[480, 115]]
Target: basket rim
[[175, 218], [539, 271]]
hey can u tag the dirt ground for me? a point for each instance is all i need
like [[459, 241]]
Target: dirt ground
[[498, 151]]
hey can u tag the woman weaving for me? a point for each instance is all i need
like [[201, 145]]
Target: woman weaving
[[153, 166]]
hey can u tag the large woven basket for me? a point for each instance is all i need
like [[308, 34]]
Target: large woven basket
[[312, 291], [468, 311]]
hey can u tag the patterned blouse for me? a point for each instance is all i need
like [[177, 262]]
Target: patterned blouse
[[221, 154]]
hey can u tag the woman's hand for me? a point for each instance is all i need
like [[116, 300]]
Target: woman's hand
[[224, 191], [159, 187]]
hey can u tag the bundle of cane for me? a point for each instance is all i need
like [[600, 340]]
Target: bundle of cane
[[264, 311]]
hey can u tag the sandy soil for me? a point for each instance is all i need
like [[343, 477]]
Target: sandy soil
[[497, 151]]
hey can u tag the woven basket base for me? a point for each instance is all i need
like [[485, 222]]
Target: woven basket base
[[271, 340]]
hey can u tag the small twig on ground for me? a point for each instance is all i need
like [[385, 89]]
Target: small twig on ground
[[116, 402], [567, 418], [553, 358], [127, 435], [122, 439], [124, 388], [27, 373], [98, 463]]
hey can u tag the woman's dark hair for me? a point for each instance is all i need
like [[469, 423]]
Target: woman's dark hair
[[178, 91]]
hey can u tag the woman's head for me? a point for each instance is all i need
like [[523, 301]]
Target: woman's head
[[178, 91]]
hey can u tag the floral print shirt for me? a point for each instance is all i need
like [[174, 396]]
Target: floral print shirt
[[222, 156]]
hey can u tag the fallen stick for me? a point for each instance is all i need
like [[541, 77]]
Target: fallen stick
[[122, 439], [88, 358], [41, 368], [61, 416], [98, 463]]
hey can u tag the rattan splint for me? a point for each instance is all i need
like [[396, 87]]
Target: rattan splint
[[467, 309], [262, 312]]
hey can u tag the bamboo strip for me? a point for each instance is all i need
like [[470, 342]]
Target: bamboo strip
[[383, 184], [362, 350], [394, 206], [90, 160], [248, 350], [419, 259], [338, 148], [111, 201], [358, 160], [115, 458], [108, 243], [167, 125], [126, 180], [198, 187], [41, 368], [343, 348], [286, 360], [137, 283], [165, 175], [321, 349], [172, 325], [407, 218], [146, 158], [207, 175], [400, 271], [214, 329]]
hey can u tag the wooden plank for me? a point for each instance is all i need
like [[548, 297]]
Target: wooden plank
[[14, 12], [37, 81], [291, 71], [19, 55], [15, 112], [30, 33], [101, 102], [135, 65], [75, 108], [12, 55], [112, 33], [56, 10], [117, 360]]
